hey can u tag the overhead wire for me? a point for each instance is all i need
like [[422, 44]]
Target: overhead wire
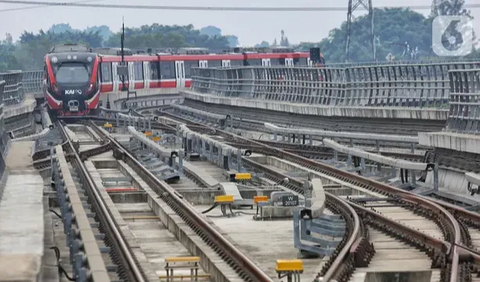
[[42, 6], [213, 8]]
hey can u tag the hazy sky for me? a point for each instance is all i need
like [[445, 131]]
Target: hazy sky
[[250, 27]]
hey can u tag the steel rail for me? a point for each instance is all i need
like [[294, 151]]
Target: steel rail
[[471, 217], [324, 151], [134, 273], [451, 231], [354, 233], [242, 263], [411, 235]]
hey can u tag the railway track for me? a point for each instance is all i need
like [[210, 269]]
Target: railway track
[[119, 254], [226, 251], [320, 152], [330, 123], [453, 225], [453, 253]]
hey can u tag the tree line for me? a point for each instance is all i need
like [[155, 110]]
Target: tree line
[[28, 52], [404, 33]]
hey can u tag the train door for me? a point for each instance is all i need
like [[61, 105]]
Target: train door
[[226, 63], [310, 62], [203, 64], [131, 76], [146, 74], [180, 74], [115, 77], [266, 63], [289, 62]]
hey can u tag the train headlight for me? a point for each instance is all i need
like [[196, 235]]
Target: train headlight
[[54, 60], [90, 88], [89, 59]]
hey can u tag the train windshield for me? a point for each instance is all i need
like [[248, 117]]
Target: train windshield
[[73, 73]]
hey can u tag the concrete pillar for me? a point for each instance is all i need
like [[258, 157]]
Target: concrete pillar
[[181, 155], [226, 165], [275, 136], [239, 160], [362, 164], [209, 151], [311, 139], [435, 177], [229, 158]]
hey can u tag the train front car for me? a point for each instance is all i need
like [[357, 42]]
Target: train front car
[[72, 83]]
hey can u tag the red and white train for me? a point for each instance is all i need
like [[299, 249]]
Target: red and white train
[[154, 72]]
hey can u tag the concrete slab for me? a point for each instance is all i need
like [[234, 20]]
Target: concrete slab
[[394, 257], [22, 227], [318, 110], [210, 261], [450, 140], [27, 106], [263, 241], [19, 156]]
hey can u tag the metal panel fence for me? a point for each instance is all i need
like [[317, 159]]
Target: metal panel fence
[[464, 101], [3, 136], [13, 92], [32, 81], [402, 85]]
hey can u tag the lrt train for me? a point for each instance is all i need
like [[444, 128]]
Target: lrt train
[[75, 76]]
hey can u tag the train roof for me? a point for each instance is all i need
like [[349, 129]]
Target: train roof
[[69, 48], [72, 56], [115, 51]]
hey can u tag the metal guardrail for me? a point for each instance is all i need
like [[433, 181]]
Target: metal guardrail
[[376, 84], [13, 92], [464, 101], [400, 85], [3, 136], [32, 81]]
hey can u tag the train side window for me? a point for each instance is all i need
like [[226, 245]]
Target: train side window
[[188, 68], [138, 70], [106, 72], [236, 63], [275, 62], [154, 70], [167, 70], [214, 64], [253, 62], [300, 61]]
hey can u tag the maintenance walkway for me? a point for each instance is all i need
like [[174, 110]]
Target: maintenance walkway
[[22, 218]]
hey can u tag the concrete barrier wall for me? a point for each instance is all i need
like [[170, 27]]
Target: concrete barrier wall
[[13, 93], [393, 85], [464, 107]]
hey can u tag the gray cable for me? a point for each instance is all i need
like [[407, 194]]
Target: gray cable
[[218, 8]]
